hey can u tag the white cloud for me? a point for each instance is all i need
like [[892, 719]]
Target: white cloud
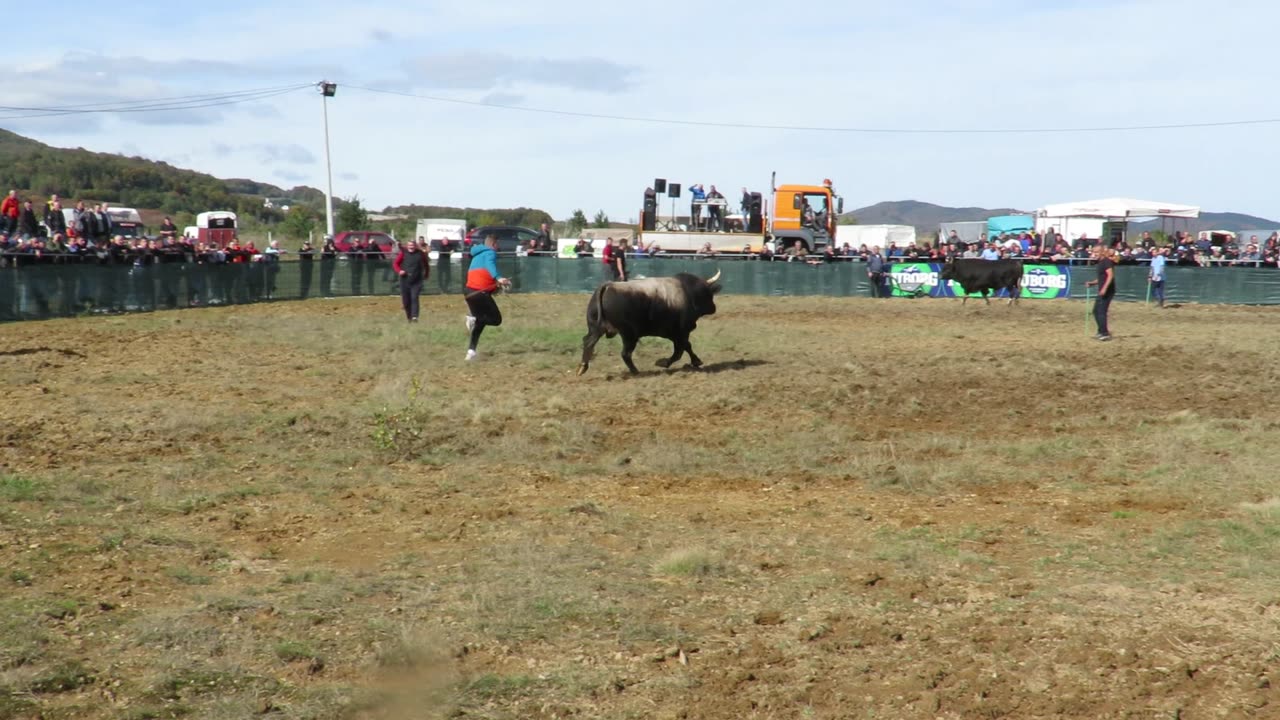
[[481, 70]]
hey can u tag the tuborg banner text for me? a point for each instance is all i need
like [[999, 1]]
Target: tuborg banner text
[[1038, 281]]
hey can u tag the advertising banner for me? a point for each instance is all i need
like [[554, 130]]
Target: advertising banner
[[1041, 282], [912, 279]]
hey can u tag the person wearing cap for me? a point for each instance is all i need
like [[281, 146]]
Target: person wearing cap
[[1106, 283]]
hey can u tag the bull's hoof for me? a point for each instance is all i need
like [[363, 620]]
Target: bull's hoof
[[582, 369], [663, 363], [696, 363]]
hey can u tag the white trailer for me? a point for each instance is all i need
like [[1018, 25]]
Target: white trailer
[[434, 231]]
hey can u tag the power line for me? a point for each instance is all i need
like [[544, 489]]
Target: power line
[[176, 98], [812, 128], [181, 102]]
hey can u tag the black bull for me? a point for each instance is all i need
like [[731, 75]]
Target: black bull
[[976, 275], [653, 307]]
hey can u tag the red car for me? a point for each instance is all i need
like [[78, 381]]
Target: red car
[[344, 240]]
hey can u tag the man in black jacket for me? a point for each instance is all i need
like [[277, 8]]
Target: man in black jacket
[[54, 220], [306, 256], [542, 243], [411, 266], [102, 222], [27, 225]]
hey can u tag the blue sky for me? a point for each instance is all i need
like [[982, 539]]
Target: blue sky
[[910, 64]]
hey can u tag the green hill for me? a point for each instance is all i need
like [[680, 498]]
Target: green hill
[[37, 171]]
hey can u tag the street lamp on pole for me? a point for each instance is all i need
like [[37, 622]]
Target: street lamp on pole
[[327, 90]]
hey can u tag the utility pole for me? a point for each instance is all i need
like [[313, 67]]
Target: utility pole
[[327, 90]]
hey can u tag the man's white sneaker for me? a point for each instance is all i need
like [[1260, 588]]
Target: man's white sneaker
[[471, 355], [471, 323]]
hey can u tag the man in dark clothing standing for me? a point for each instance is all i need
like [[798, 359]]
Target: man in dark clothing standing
[[411, 266], [55, 220], [328, 263], [28, 226], [167, 229], [444, 258], [1106, 282], [306, 255], [355, 257], [542, 242], [103, 222], [875, 271]]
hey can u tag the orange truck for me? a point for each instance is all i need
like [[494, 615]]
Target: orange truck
[[803, 215]]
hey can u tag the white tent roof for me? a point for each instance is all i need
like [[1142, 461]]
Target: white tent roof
[[1119, 209], [882, 235]]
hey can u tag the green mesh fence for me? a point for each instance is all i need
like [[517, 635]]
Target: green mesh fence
[[37, 291]]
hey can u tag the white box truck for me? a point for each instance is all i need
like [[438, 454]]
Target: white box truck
[[436, 231]]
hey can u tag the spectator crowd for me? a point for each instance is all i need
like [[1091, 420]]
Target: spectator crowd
[[1180, 249], [49, 234]]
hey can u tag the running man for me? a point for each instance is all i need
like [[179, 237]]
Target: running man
[[483, 281]]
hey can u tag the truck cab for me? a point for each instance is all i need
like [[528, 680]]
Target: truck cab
[[125, 222], [805, 215]]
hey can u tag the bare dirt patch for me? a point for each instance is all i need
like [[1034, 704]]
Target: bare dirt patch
[[893, 509]]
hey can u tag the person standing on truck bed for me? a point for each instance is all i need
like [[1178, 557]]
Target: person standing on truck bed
[[715, 211], [698, 199], [168, 229]]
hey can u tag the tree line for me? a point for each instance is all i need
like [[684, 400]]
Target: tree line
[[38, 171]]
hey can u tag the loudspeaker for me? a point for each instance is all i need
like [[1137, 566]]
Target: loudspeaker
[[755, 214], [660, 185], [650, 214], [673, 190]]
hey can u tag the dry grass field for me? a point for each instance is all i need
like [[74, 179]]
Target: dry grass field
[[859, 509]]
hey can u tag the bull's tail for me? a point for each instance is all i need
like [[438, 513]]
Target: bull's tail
[[596, 326], [595, 308], [595, 311]]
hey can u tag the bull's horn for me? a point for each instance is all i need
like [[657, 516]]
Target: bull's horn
[[714, 278]]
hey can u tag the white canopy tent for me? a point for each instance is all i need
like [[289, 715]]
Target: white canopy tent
[[1108, 217], [879, 235], [1118, 209]]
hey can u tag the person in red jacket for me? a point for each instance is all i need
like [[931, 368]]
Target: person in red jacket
[[411, 267], [9, 212]]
